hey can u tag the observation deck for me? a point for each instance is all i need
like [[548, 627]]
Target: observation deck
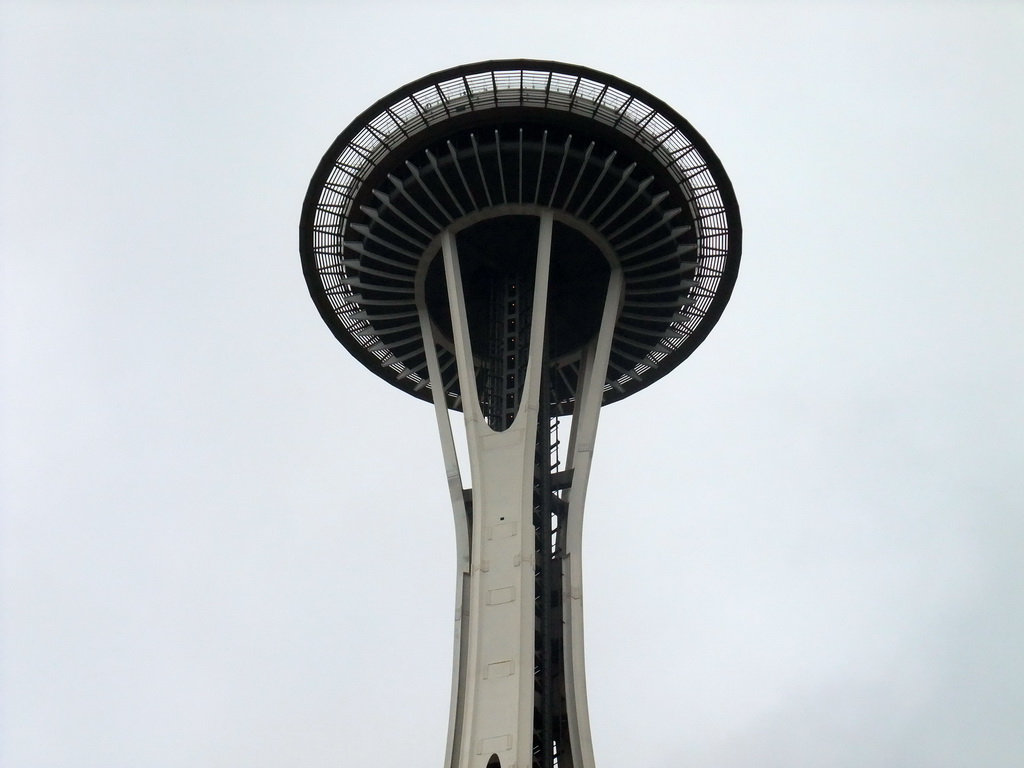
[[482, 149]]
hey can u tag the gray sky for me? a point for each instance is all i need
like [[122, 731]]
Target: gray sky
[[224, 543]]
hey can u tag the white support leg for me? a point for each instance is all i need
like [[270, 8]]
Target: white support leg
[[493, 711], [462, 531], [589, 394]]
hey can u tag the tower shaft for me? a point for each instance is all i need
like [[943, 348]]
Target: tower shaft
[[518, 697]]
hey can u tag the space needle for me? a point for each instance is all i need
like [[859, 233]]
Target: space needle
[[522, 241]]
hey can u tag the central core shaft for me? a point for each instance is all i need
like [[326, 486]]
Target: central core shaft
[[490, 301]]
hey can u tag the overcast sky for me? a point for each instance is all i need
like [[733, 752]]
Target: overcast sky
[[224, 543]]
